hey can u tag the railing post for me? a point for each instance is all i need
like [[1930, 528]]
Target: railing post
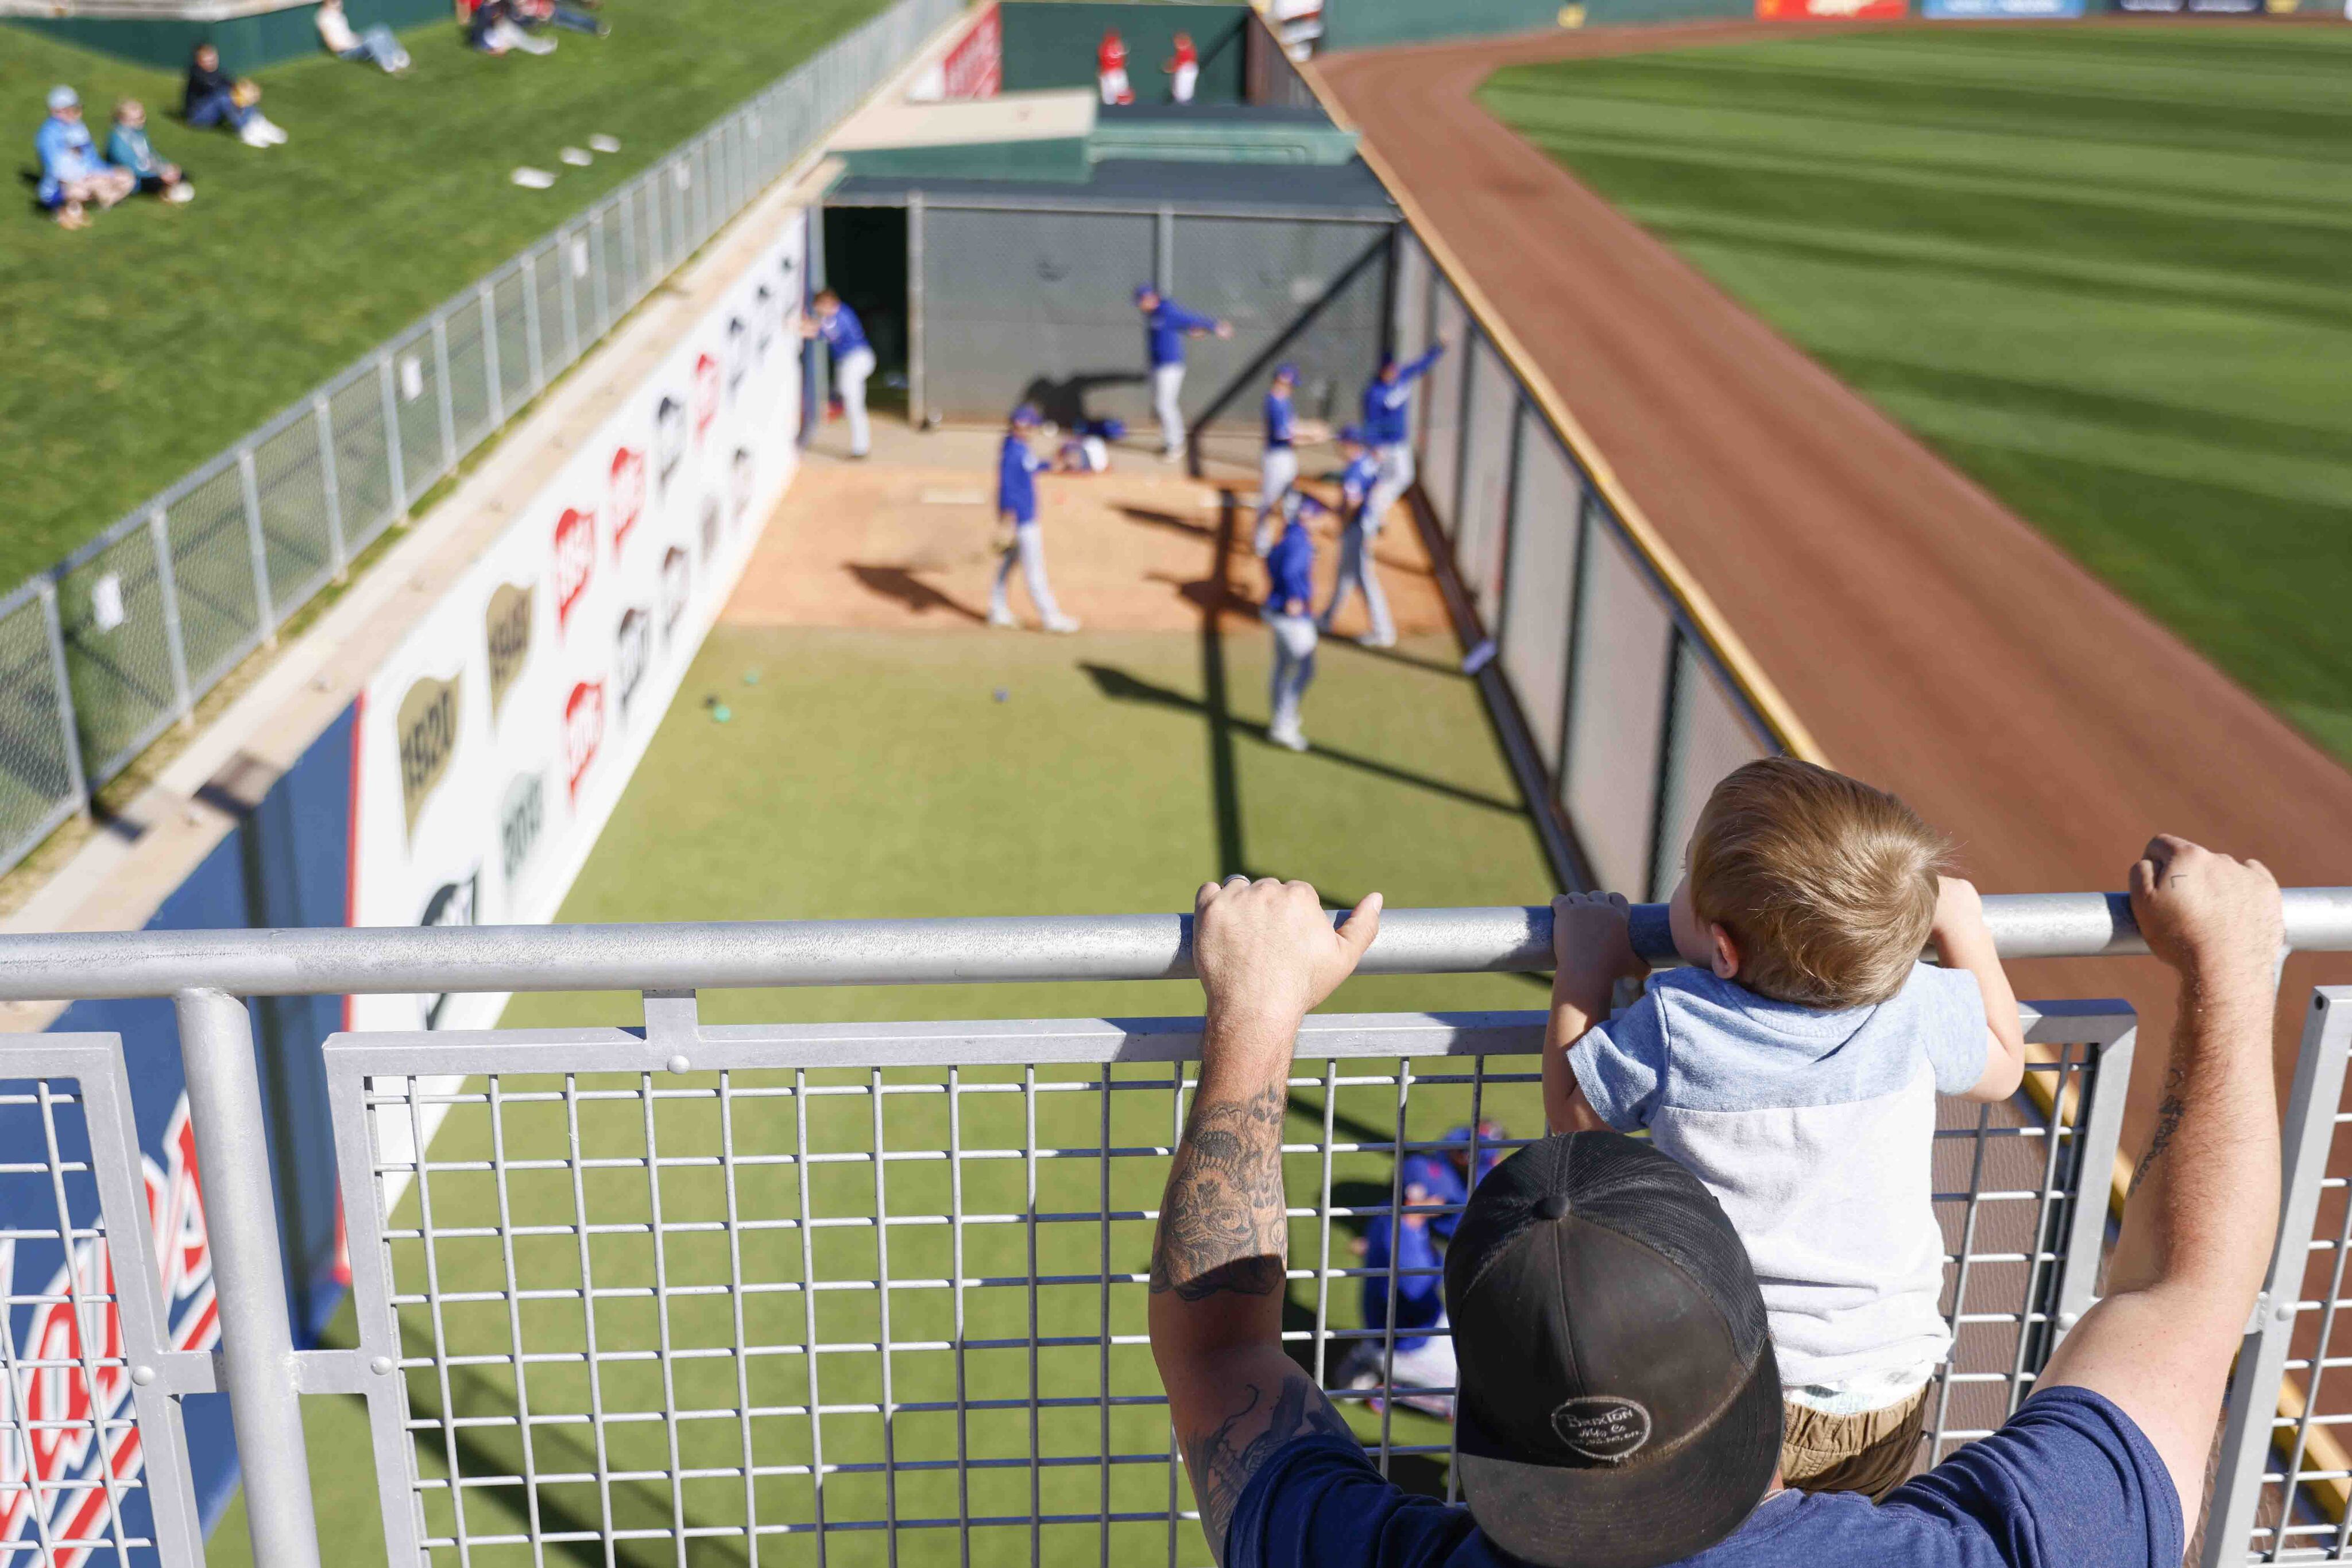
[[257, 1365], [2250, 1416], [393, 466], [159, 531], [572, 263], [323, 414], [69, 726], [531, 329], [491, 377], [257, 545], [2098, 1130], [441, 385], [627, 209], [596, 271]]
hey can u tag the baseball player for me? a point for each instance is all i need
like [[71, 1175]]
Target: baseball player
[[1110, 69], [1184, 69], [1388, 423], [1016, 508], [1170, 324], [1277, 469], [1289, 612], [1360, 481], [853, 361]]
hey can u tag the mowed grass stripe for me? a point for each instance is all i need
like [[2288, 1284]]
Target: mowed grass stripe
[[2124, 312]]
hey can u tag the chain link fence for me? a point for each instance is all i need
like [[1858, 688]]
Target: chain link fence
[[1628, 711], [121, 640]]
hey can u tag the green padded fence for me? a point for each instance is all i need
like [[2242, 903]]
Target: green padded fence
[[1052, 42], [245, 42], [1367, 24]]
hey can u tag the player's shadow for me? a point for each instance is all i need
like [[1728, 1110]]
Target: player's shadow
[[1151, 518], [898, 582], [1118, 686], [1063, 400]]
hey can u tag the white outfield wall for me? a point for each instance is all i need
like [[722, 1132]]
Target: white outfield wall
[[493, 744]]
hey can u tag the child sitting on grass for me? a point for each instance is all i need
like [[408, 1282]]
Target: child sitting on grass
[[1794, 1070]]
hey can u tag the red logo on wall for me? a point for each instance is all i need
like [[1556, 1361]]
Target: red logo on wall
[[624, 501], [1830, 10], [706, 394], [576, 560], [975, 66], [583, 730]]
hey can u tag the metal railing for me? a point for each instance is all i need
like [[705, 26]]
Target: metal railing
[[101, 655], [644, 1288]]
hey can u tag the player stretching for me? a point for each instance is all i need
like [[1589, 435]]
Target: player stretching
[[1016, 507], [1278, 471], [1110, 69], [853, 361], [1358, 482], [1184, 69], [1170, 324], [1290, 599]]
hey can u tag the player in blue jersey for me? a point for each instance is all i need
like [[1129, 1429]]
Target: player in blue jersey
[[853, 361], [1016, 508], [1289, 611], [1359, 481], [1169, 324], [1277, 470], [1387, 424]]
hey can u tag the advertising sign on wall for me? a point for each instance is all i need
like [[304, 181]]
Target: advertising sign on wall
[[1966, 10], [495, 742], [974, 67], [2193, 7], [1831, 10]]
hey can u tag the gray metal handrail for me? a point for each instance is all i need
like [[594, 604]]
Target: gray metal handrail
[[397, 959]]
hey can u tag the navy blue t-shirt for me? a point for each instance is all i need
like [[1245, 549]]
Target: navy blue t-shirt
[[2070, 1482]]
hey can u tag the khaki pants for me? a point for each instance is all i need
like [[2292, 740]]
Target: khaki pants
[[1870, 1453]]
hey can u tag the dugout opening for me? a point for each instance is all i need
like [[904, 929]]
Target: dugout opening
[[865, 264]]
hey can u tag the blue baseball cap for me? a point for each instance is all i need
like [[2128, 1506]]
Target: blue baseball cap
[[1286, 372], [1027, 413], [63, 98], [1144, 291], [1353, 436]]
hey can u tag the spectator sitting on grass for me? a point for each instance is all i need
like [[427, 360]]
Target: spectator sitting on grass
[[543, 13], [127, 150], [494, 31], [376, 47], [72, 173], [212, 98]]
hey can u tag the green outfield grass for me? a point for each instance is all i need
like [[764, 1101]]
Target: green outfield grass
[[2101, 270], [870, 774], [140, 346]]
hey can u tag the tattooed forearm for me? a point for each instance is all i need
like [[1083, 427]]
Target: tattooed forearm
[[1222, 1461], [2168, 1122], [1221, 1224]]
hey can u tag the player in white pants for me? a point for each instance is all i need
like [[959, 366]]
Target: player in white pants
[[1016, 505], [853, 361], [1184, 69], [1277, 469], [1359, 483], [1169, 324], [1289, 612]]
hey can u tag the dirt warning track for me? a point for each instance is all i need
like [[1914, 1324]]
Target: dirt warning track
[[1931, 640]]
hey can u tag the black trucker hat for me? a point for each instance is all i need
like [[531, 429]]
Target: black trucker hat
[[1620, 1405]]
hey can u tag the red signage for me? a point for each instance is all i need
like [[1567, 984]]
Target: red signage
[[706, 395], [624, 501], [975, 66], [1832, 10], [583, 730], [576, 560]]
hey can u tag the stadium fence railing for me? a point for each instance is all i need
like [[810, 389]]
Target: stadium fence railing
[[104, 652], [879, 1287]]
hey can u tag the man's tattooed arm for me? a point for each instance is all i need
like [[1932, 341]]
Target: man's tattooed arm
[[1222, 1460], [1221, 1225]]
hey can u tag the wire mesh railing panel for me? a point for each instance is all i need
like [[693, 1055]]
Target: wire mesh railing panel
[[416, 407], [1539, 581], [1624, 634], [118, 634], [1440, 395], [510, 313], [212, 583], [38, 784], [94, 1469], [1037, 305], [289, 483], [1708, 735], [765, 1308], [469, 374], [1488, 418], [362, 460]]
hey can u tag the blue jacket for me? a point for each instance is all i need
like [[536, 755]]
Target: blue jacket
[[128, 149], [1169, 323], [1016, 479], [66, 153], [1356, 482], [1277, 420], [1290, 566], [1386, 403], [843, 332], [1420, 1298]]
